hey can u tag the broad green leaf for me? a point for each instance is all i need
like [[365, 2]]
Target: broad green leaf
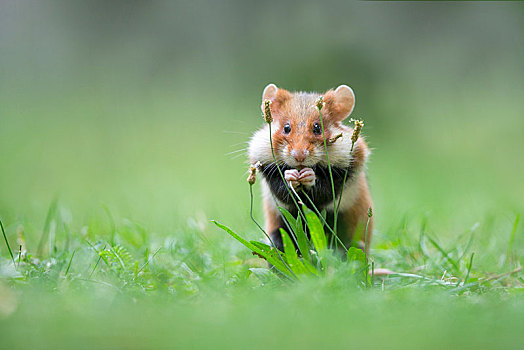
[[291, 254], [289, 217], [302, 240], [270, 259], [269, 250], [309, 266], [356, 254], [356, 258], [316, 231], [298, 231]]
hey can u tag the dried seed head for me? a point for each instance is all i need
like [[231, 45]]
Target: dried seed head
[[359, 124], [267, 111], [370, 212], [320, 103], [335, 138], [252, 178]]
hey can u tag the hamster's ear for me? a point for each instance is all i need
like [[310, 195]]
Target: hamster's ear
[[270, 92], [277, 96], [339, 103]]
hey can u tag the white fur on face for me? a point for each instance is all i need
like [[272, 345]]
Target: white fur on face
[[260, 147], [313, 157]]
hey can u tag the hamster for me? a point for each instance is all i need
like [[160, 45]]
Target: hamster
[[298, 146]]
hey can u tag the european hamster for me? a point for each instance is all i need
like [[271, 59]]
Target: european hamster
[[299, 151]]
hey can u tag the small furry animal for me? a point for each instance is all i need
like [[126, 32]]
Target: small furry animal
[[299, 152]]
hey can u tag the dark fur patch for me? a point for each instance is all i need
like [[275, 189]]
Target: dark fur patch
[[321, 194]]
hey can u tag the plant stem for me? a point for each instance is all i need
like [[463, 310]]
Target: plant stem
[[372, 272], [366, 249], [330, 175], [345, 177]]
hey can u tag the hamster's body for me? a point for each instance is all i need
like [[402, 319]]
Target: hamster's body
[[299, 150]]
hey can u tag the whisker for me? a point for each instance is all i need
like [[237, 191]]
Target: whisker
[[238, 150], [235, 132]]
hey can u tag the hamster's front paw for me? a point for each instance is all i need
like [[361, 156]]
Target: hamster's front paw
[[307, 177], [291, 177]]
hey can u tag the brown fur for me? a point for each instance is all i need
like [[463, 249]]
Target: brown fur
[[356, 216]]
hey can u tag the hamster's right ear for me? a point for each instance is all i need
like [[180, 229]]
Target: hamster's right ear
[[270, 92], [340, 103]]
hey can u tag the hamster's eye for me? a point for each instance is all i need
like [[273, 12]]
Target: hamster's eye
[[317, 130], [287, 128]]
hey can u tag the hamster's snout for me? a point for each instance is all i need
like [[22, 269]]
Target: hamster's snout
[[300, 155]]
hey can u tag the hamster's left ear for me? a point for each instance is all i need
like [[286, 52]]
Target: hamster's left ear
[[277, 96], [270, 91], [339, 103]]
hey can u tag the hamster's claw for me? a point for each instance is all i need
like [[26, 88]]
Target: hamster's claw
[[291, 176], [307, 177]]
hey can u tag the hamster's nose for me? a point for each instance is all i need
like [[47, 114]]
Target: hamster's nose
[[300, 155]]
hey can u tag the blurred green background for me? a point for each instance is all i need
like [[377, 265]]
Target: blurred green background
[[144, 108], [137, 105]]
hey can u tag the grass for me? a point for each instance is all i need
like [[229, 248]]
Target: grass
[[126, 256]]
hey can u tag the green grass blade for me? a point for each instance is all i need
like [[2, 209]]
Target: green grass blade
[[469, 268], [7, 242], [443, 252], [270, 259], [316, 231], [512, 238], [47, 226], [70, 261], [469, 243]]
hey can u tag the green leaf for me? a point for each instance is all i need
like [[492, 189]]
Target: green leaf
[[356, 259], [291, 254], [302, 240], [316, 231], [298, 231], [356, 254], [276, 262], [270, 251], [324, 215], [289, 217]]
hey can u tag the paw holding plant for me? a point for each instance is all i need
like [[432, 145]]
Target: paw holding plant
[[305, 177]]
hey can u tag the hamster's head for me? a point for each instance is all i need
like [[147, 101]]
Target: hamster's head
[[297, 130]]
